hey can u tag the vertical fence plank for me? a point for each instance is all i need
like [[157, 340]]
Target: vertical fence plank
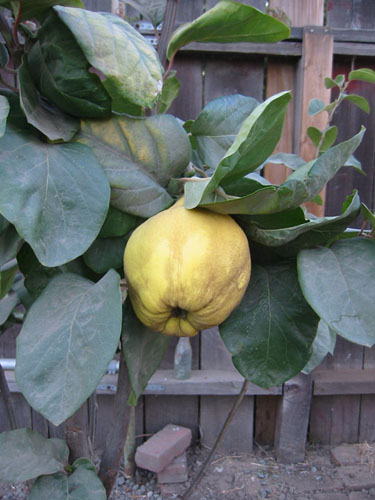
[[367, 411], [335, 419], [214, 409], [292, 419], [315, 65]]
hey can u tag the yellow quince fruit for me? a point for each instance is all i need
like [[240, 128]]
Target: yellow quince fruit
[[186, 270]]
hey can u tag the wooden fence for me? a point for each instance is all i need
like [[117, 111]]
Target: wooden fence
[[337, 402]]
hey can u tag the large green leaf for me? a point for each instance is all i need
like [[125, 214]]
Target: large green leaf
[[302, 185], [37, 8], [105, 254], [217, 125], [7, 304], [139, 156], [118, 223], [153, 10], [57, 55], [171, 88], [10, 243], [323, 344], [130, 66], [67, 341], [82, 484], [253, 144], [57, 196], [38, 276], [7, 277], [317, 231], [228, 22], [143, 350], [4, 111], [47, 118], [270, 333], [25, 454], [338, 284]]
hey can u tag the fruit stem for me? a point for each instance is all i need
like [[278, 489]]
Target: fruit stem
[[233, 410]]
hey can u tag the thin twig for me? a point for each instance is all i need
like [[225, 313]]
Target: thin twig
[[199, 477]]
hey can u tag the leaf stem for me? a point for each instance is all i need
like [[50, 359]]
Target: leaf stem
[[15, 27], [330, 118], [199, 477]]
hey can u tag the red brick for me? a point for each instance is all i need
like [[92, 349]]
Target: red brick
[[346, 454], [176, 471], [158, 451]]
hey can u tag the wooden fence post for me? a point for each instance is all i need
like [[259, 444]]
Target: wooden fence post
[[293, 419], [315, 64]]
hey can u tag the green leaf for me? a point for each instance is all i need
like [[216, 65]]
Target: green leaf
[[368, 215], [143, 350], [217, 125], [57, 196], [329, 83], [323, 344], [353, 162], [171, 88], [6, 279], [55, 55], [117, 223], [4, 111], [4, 55], [315, 106], [340, 80], [270, 333], [338, 284], [82, 484], [105, 254], [290, 160], [25, 454], [330, 135], [359, 101], [7, 304], [153, 10], [329, 138], [67, 341], [38, 276], [363, 74], [302, 185], [229, 22], [315, 135], [37, 8], [317, 231], [3, 225], [129, 64], [254, 143], [139, 156], [10, 243], [47, 118]]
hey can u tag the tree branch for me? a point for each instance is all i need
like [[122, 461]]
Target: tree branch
[[118, 428], [199, 477], [168, 25], [76, 434]]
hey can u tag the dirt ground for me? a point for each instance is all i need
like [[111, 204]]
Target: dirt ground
[[255, 476]]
